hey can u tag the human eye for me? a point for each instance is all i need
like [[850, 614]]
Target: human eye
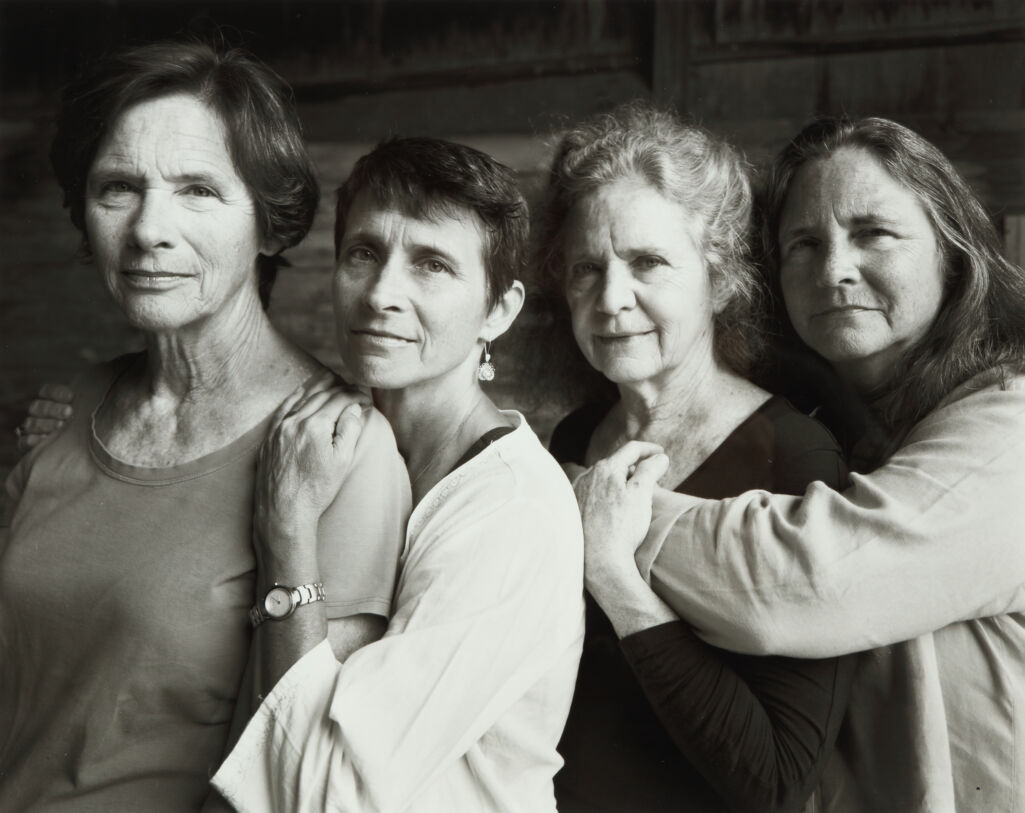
[[799, 245], [360, 255], [873, 233], [432, 266], [200, 191], [115, 188], [648, 262], [582, 269]]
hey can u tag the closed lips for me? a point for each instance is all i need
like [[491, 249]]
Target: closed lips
[[844, 309], [381, 334], [140, 272], [612, 336]]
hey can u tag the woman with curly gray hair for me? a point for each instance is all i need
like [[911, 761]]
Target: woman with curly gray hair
[[645, 232]]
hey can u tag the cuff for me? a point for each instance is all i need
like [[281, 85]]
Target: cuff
[[257, 772]]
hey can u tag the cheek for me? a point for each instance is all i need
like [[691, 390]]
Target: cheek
[[101, 230], [794, 296], [579, 317]]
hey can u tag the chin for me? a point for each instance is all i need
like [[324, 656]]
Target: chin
[[152, 321], [375, 374], [627, 373]]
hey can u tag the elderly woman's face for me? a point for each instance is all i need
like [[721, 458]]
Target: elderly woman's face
[[171, 225], [637, 285], [861, 269]]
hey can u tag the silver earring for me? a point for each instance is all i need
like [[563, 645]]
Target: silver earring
[[486, 370]]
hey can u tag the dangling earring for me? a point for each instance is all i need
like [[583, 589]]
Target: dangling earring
[[486, 370]]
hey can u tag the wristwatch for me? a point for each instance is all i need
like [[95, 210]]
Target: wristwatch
[[280, 602]]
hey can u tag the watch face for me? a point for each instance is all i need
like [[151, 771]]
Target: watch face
[[278, 602]]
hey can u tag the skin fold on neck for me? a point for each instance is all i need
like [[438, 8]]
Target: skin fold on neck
[[688, 414], [195, 391]]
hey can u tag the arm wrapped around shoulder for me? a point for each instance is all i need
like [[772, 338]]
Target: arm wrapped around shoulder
[[930, 538]]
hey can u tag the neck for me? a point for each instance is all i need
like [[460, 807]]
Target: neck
[[435, 425], [688, 393], [218, 358]]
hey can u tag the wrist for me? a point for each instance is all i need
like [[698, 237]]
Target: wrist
[[629, 602], [281, 601]]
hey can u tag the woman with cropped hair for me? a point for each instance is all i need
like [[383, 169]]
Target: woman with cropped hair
[[460, 705], [644, 237], [892, 274], [128, 574]]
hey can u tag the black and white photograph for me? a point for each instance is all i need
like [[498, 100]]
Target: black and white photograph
[[596, 406]]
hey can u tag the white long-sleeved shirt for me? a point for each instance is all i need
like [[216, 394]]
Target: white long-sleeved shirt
[[923, 561], [461, 705]]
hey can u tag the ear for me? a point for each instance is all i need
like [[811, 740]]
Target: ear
[[504, 313], [271, 246]]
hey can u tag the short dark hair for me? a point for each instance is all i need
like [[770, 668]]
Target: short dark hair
[[686, 164], [428, 177], [981, 321], [256, 106]]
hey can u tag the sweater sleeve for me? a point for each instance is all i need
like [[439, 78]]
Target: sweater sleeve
[[929, 539], [759, 729]]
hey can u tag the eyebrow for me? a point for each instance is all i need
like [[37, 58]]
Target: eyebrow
[[855, 220], [373, 238], [860, 220]]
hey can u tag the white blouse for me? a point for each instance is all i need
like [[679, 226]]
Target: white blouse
[[461, 705]]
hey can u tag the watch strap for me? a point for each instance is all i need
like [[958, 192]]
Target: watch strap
[[300, 595]]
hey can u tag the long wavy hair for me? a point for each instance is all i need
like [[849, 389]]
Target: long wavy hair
[[980, 324]]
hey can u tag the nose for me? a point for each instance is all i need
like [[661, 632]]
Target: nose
[[616, 292], [838, 264], [153, 221], [385, 289]]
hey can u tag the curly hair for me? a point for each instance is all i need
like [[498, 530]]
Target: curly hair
[[257, 109], [981, 320], [686, 164]]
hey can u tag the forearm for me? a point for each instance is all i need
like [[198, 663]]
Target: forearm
[[627, 601], [288, 558], [758, 729]]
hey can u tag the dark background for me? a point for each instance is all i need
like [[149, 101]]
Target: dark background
[[503, 77]]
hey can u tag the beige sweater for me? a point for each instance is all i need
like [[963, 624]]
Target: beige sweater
[[923, 562]]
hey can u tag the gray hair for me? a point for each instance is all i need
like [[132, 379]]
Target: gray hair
[[686, 164]]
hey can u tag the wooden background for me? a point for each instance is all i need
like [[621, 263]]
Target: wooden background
[[504, 77]]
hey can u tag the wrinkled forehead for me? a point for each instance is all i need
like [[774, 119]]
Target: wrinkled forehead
[[851, 182], [446, 227], [429, 213]]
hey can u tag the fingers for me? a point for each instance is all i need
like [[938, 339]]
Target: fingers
[[44, 408], [56, 392], [631, 453], [332, 399], [288, 405], [648, 471], [40, 426], [309, 397], [348, 427]]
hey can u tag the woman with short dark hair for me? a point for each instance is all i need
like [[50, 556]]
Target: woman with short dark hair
[[891, 273], [460, 705], [127, 578]]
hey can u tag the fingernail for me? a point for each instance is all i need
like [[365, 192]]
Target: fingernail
[[66, 412]]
